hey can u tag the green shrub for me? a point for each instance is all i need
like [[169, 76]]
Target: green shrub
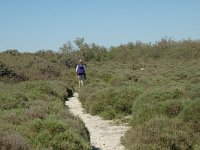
[[110, 102], [156, 102], [11, 102], [69, 140], [160, 133], [191, 114], [43, 140], [7, 74], [194, 91], [55, 133], [109, 113], [123, 77]]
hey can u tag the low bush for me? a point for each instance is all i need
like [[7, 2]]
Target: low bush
[[161, 133], [13, 141], [156, 102], [57, 134], [34, 110], [194, 91], [191, 115], [110, 102], [7, 74]]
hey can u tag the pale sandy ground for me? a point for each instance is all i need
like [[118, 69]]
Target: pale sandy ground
[[104, 135]]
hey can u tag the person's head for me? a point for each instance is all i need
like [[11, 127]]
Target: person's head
[[80, 61]]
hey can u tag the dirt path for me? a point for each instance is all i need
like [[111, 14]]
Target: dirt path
[[104, 135]]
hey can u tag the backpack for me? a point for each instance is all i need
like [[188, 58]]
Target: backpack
[[81, 70]]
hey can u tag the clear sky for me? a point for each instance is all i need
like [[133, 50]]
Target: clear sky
[[32, 25]]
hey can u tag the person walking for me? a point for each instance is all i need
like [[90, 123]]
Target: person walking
[[80, 70]]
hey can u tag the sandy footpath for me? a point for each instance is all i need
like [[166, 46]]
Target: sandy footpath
[[104, 135]]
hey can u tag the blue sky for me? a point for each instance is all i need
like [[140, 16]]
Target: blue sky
[[32, 25]]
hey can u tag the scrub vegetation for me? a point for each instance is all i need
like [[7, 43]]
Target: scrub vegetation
[[33, 90], [155, 88]]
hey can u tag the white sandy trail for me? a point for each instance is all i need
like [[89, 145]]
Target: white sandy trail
[[104, 135]]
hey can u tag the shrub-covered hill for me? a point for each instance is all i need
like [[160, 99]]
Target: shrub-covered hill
[[153, 87], [33, 88], [42, 65]]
